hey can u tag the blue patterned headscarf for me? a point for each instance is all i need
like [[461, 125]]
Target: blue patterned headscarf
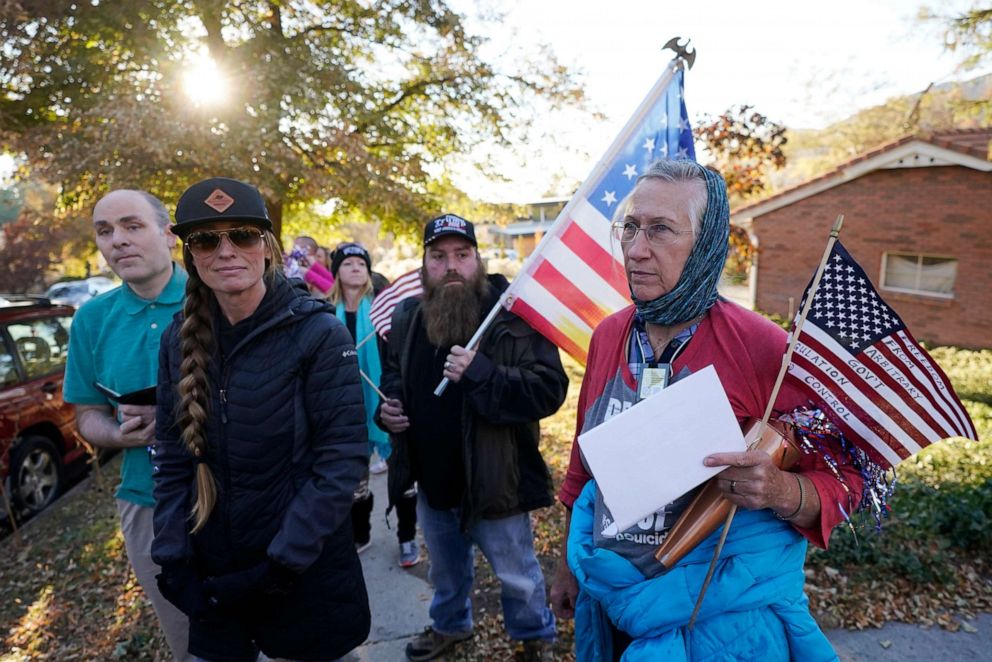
[[695, 292]]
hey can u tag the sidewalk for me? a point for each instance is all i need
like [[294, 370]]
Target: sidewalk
[[912, 643], [399, 597]]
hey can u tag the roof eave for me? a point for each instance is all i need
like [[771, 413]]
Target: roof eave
[[933, 155]]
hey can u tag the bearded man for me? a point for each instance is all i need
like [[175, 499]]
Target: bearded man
[[473, 450]]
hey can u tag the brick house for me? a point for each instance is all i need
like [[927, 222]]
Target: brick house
[[917, 217]]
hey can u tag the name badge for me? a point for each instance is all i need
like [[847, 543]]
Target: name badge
[[654, 379]]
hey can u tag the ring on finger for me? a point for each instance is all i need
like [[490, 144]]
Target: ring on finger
[[733, 487], [447, 364]]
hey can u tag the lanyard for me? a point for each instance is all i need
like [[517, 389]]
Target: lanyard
[[672, 349], [653, 375]]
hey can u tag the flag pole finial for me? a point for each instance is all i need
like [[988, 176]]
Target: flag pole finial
[[835, 230], [681, 50]]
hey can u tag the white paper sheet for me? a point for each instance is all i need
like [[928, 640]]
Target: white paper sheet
[[652, 453]]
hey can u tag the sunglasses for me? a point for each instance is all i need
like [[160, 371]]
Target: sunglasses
[[205, 242]]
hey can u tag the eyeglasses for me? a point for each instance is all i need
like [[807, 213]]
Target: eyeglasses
[[657, 234], [206, 242]]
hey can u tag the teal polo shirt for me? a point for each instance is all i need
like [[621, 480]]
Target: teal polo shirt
[[114, 340]]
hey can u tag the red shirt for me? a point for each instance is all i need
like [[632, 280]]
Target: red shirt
[[746, 350]]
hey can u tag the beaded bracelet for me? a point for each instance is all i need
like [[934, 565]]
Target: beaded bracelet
[[802, 498]]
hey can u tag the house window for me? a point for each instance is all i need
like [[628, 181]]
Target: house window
[[919, 274]]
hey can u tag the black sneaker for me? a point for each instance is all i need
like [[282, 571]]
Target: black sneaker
[[429, 644]]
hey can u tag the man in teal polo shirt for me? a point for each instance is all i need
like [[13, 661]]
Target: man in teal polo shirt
[[114, 342]]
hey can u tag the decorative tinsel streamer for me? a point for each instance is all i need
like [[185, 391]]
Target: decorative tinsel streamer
[[816, 434]]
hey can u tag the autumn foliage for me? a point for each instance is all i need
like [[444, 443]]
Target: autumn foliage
[[355, 102], [745, 146], [27, 250]]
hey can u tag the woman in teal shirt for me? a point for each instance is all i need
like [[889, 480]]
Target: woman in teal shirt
[[352, 295]]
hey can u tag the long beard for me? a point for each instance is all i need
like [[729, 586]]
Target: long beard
[[452, 312]]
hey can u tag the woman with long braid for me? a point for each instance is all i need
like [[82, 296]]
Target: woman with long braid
[[261, 442]]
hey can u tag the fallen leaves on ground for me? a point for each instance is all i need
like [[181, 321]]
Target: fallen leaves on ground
[[69, 593], [837, 602]]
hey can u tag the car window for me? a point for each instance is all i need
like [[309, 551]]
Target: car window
[[42, 344], [67, 289], [8, 371]]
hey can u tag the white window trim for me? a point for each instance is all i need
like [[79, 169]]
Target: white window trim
[[903, 290]]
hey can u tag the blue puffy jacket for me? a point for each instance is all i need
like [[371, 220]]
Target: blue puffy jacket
[[755, 607]]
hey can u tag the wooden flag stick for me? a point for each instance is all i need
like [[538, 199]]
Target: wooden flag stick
[[794, 336], [373, 385], [365, 339], [786, 360]]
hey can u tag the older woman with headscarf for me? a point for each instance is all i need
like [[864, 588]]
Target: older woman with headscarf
[[673, 231]]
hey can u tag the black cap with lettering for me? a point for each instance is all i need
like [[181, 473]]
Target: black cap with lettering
[[449, 224], [344, 251]]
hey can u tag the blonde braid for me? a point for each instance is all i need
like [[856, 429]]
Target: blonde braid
[[196, 337], [196, 340]]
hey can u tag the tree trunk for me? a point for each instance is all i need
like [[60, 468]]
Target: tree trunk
[[274, 206]]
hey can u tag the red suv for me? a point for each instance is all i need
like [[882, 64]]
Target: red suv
[[38, 439]]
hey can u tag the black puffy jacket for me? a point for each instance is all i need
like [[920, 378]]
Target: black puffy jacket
[[287, 445]]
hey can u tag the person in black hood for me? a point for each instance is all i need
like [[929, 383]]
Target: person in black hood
[[261, 441], [473, 450]]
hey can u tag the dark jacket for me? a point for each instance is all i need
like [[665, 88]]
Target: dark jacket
[[515, 379], [286, 444]]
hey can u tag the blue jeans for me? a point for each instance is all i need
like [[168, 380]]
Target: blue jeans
[[508, 545]]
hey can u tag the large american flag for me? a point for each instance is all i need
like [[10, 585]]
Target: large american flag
[[575, 278], [381, 311], [856, 356]]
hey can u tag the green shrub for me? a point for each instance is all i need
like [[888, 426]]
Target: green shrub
[[942, 508], [969, 370]]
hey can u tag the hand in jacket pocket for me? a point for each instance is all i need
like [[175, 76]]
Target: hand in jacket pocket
[[180, 584], [266, 578]]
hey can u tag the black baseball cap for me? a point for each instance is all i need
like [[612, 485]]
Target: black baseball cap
[[220, 199], [344, 251], [449, 224]]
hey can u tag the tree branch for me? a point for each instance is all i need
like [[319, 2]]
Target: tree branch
[[276, 23], [417, 88], [305, 152], [210, 13]]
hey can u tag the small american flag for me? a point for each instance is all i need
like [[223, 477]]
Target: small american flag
[[381, 312], [856, 356]]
